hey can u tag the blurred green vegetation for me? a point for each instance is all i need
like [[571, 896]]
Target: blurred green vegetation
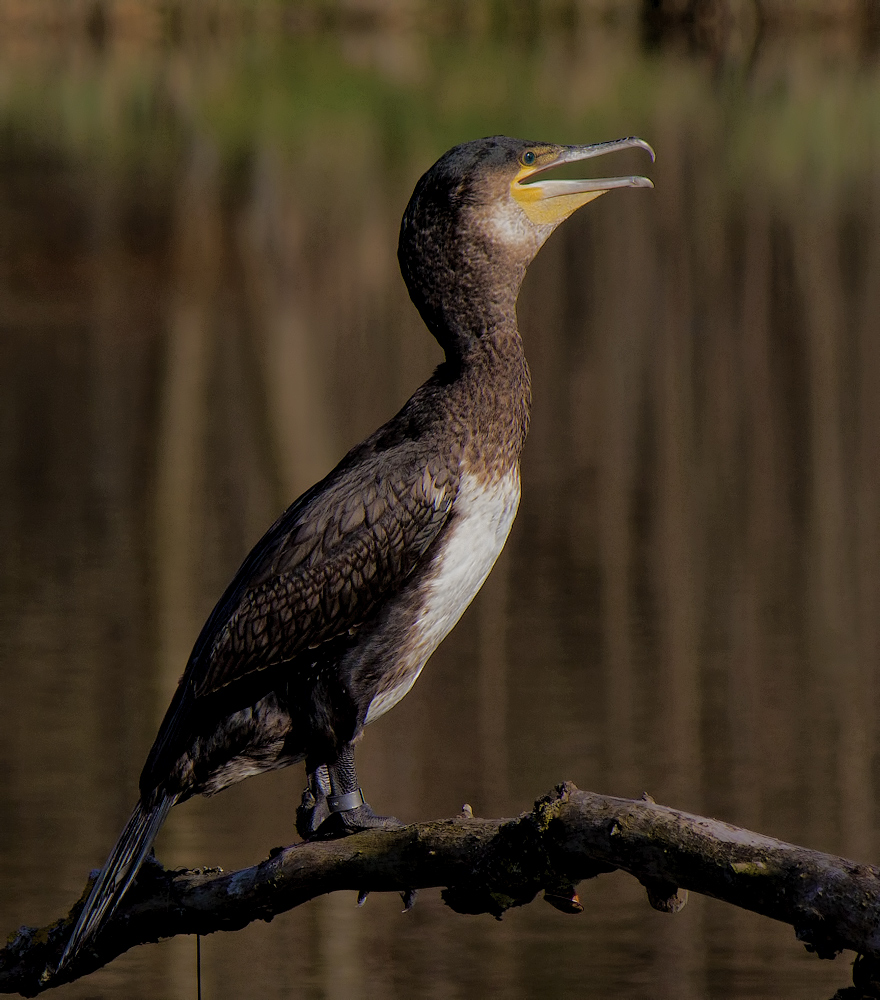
[[785, 88]]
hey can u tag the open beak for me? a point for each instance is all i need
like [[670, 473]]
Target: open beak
[[548, 202]]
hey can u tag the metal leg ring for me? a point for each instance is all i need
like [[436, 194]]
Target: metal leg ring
[[342, 803]]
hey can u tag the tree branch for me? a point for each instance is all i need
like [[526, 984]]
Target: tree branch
[[488, 866]]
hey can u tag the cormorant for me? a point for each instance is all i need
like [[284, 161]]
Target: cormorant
[[330, 619]]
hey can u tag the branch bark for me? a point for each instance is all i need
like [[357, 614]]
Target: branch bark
[[488, 866]]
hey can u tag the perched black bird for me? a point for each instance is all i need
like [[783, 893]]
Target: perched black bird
[[330, 619]]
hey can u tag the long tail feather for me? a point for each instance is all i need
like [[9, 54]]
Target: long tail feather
[[118, 873]]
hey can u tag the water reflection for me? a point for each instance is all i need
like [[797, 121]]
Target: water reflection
[[193, 330]]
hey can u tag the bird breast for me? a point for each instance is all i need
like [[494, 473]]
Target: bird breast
[[482, 516]]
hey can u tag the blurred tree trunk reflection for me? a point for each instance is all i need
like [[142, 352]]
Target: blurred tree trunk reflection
[[190, 344]]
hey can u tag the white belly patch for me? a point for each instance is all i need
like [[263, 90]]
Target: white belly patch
[[483, 515]]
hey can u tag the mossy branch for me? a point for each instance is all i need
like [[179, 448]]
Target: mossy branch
[[488, 866]]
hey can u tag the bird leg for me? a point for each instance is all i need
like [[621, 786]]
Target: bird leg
[[313, 809], [348, 812]]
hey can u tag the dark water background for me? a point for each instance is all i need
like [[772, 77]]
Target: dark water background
[[200, 312]]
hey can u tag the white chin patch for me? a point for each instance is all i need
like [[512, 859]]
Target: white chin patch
[[505, 222]]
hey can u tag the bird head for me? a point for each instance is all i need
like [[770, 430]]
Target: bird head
[[477, 218]]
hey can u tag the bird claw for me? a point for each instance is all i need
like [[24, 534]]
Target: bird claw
[[311, 814]]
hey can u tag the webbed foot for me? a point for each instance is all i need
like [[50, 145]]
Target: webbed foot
[[349, 821]]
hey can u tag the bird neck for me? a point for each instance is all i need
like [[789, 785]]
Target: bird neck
[[461, 278], [465, 284], [466, 301], [491, 396]]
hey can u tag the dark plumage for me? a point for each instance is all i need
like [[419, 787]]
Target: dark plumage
[[331, 617]]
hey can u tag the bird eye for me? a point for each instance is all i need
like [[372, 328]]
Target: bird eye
[[529, 158]]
